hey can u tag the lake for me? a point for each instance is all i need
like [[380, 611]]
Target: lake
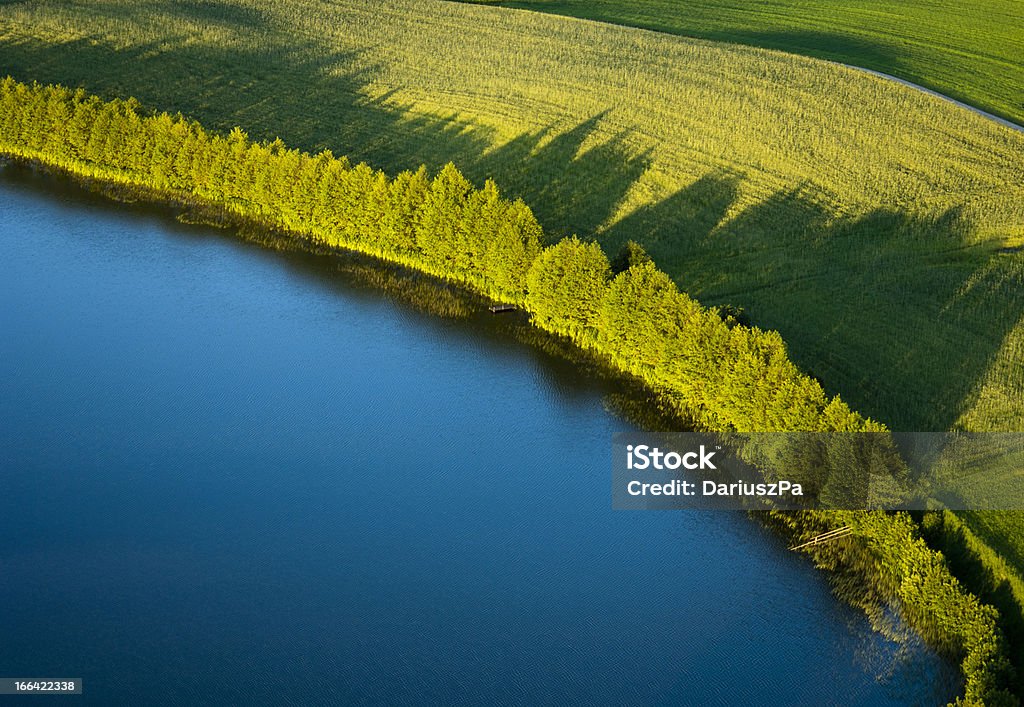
[[232, 475]]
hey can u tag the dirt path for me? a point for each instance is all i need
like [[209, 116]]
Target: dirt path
[[996, 118]]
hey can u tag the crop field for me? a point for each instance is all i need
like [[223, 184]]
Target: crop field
[[880, 230], [968, 50], [875, 227]]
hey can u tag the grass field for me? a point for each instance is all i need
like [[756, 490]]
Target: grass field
[[968, 50], [868, 223], [879, 229]]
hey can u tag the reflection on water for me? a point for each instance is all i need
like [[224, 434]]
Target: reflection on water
[[236, 475]]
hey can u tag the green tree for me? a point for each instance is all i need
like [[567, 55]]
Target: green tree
[[441, 219], [566, 287], [637, 317], [400, 221], [514, 244]]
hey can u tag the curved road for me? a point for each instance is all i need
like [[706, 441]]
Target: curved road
[[979, 111]]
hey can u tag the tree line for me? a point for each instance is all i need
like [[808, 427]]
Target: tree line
[[724, 375]]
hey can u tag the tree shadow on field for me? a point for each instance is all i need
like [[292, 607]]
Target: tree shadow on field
[[316, 99], [570, 191], [897, 313], [676, 229]]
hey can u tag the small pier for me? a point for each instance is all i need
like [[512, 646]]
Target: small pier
[[833, 534], [501, 308]]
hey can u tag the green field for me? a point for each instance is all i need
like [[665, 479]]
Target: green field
[[878, 229], [861, 219], [968, 50]]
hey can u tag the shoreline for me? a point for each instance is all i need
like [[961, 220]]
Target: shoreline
[[887, 553], [858, 589]]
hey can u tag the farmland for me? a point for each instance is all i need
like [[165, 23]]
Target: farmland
[[878, 229], [873, 226], [970, 51]]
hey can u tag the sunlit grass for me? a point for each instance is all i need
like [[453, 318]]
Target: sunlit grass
[[968, 50], [865, 221]]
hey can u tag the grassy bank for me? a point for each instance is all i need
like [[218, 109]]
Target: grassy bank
[[874, 227], [970, 51], [725, 375], [879, 230]]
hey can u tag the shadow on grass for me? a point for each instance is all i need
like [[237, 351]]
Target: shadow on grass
[[675, 19], [269, 93], [877, 307]]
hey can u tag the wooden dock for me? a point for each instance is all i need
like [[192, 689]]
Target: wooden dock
[[833, 534], [501, 308]]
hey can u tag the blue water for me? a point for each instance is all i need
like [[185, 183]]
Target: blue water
[[230, 475]]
